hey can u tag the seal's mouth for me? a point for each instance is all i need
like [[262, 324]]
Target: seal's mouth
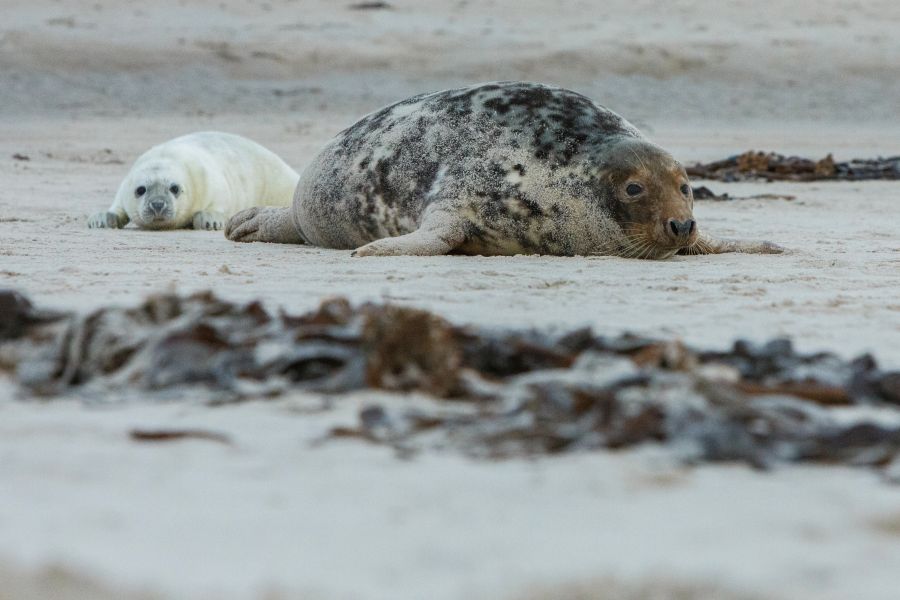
[[157, 213], [639, 243], [154, 221]]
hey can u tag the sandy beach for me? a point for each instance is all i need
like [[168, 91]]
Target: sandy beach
[[85, 512]]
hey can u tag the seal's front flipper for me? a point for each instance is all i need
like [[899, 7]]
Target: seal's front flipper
[[210, 221], [108, 220], [417, 243], [709, 245], [437, 235], [263, 224]]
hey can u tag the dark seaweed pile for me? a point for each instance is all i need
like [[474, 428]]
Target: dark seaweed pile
[[771, 166], [495, 393], [704, 193]]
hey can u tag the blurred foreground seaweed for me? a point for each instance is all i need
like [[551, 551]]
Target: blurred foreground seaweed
[[496, 393], [771, 166]]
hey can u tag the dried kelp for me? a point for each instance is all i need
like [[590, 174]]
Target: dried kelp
[[17, 314], [771, 166], [501, 393], [171, 342], [177, 435], [370, 6], [704, 193]]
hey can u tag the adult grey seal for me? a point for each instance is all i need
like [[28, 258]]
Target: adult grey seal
[[497, 168], [198, 180]]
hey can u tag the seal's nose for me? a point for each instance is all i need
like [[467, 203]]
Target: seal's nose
[[157, 206], [681, 230]]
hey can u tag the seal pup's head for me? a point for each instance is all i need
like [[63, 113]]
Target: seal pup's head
[[158, 195], [650, 198]]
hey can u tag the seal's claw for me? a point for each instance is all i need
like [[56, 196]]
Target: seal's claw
[[210, 221], [243, 226], [104, 220], [263, 224]]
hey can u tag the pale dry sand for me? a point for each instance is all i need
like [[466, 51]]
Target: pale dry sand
[[835, 289], [86, 86]]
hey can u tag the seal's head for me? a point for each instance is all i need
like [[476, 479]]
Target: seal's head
[[649, 196], [160, 196]]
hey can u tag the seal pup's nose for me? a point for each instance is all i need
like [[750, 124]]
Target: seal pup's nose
[[157, 206], [681, 230]]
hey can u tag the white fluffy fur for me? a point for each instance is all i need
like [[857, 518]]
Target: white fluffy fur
[[219, 174]]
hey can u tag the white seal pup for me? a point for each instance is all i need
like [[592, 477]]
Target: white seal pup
[[498, 168], [198, 180]]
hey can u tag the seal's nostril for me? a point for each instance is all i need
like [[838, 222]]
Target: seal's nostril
[[156, 207], [682, 229]]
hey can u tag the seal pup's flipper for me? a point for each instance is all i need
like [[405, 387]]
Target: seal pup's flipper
[[709, 245], [114, 218], [263, 224], [440, 233], [107, 220], [208, 220]]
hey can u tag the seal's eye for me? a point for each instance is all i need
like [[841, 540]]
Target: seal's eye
[[633, 189], [685, 189], [140, 191], [174, 189]]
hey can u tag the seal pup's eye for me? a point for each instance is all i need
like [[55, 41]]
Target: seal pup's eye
[[174, 189], [685, 189], [633, 189], [140, 191]]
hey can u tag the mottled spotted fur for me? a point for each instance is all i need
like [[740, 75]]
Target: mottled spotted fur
[[498, 168]]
